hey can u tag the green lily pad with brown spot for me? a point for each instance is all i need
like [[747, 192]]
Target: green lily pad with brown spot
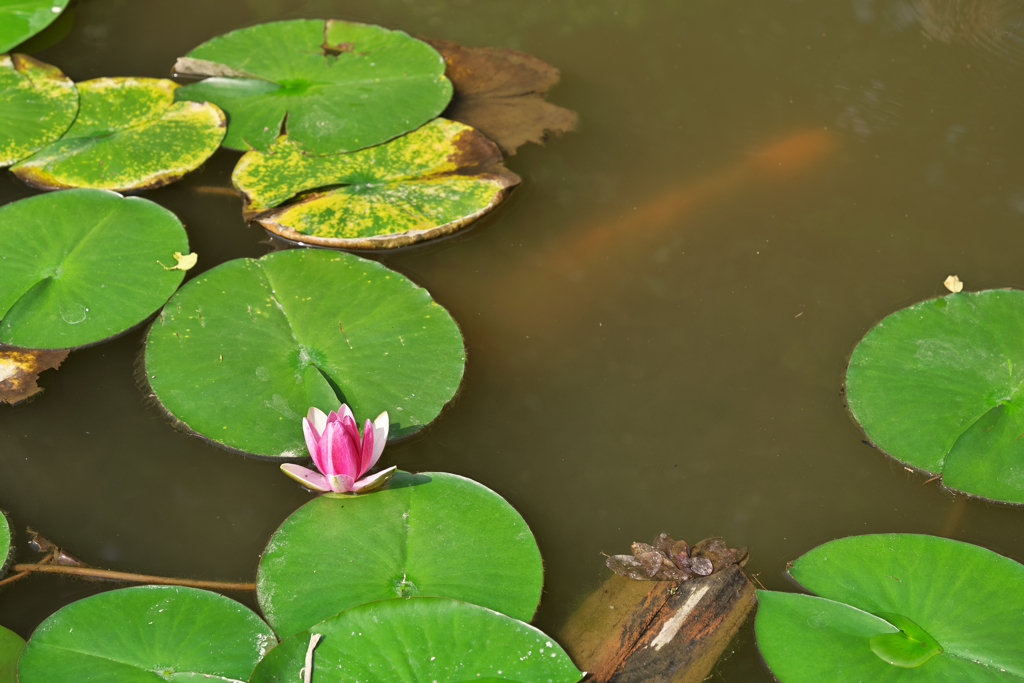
[[426, 184], [37, 104], [22, 19], [130, 134], [336, 86]]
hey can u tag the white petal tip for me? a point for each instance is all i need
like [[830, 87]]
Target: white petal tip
[[374, 481], [307, 477]]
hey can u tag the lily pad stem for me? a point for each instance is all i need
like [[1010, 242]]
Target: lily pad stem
[[126, 576]]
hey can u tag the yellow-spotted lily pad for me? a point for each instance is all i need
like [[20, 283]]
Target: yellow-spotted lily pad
[[426, 184], [37, 104], [130, 134]]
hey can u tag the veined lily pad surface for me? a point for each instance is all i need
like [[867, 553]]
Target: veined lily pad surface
[[421, 639], [10, 649], [938, 387], [81, 266], [147, 633], [242, 352], [336, 86], [37, 104], [433, 534], [22, 19], [426, 184], [130, 134], [896, 607]]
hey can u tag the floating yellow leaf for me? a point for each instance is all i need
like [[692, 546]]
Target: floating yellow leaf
[[20, 368], [953, 284], [184, 262]]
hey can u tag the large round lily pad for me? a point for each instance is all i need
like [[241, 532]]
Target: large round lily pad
[[341, 85], [10, 649], [428, 534], [938, 387], [421, 639], [425, 184], [147, 634], [896, 607], [242, 352], [37, 104], [130, 134], [81, 266], [22, 19]]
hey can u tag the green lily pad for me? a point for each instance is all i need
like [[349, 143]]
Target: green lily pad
[[938, 387], [37, 104], [81, 266], [421, 639], [426, 184], [433, 534], [342, 86], [22, 19], [10, 649], [147, 634], [242, 352], [130, 134], [896, 607], [6, 544]]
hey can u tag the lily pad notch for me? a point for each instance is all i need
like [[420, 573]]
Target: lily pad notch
[[938, 386], [333, 86], [241, 353]]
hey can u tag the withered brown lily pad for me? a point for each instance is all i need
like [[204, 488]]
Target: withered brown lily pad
[[501, 93], [20, 368], [671, 560], [423, 185]]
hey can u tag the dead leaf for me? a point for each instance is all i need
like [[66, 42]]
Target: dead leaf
[[184, 262], [501, 93], [953, 284], [20, 368]]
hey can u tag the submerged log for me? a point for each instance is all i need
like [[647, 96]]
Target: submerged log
[[657, 631]]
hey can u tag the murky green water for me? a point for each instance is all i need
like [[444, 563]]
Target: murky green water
[[684, 377]]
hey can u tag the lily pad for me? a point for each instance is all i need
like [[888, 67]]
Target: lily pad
[[20, 368], [938, 387], [432, 534], [336, 86], [6, 545], [896, 607], [130, 134], [10, 649], [421, 639], [428, 183], [37, 104], [501, 92], [81, 266], [147, 634], [22, 19], [242, 352]]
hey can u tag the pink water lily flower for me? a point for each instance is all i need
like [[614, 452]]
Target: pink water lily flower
[[341, 455]]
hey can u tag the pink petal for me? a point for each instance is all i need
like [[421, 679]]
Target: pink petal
[[380, 437], [317, 419], [306, 477], [312, 440], [374, 481], [341, 483], [349, 424], [344, 411], [342, 452], [366, 449]]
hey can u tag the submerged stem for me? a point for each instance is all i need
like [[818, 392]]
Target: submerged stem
[[108, 575]]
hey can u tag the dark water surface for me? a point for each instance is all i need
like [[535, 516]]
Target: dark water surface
[[683, 377]]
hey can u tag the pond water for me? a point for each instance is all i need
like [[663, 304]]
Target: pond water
[[657, 321]]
